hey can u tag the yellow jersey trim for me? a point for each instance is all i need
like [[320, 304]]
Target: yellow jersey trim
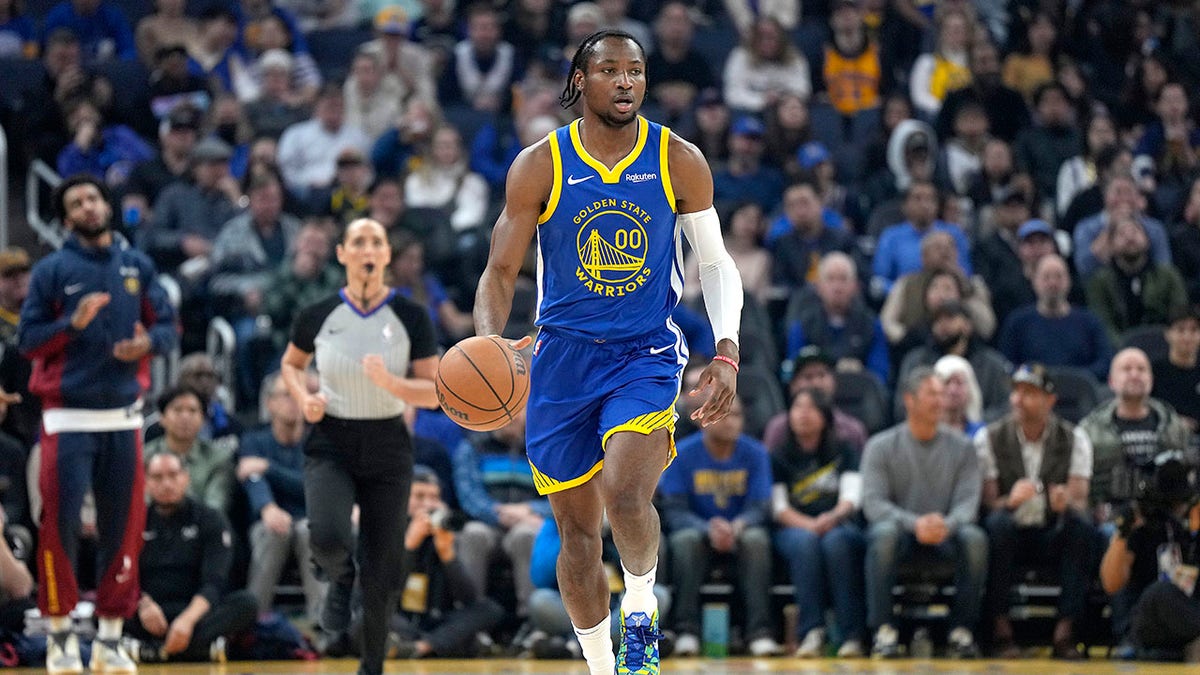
[[546, 485], [556, 183], [612, 175], [647, 424], [664, 143]]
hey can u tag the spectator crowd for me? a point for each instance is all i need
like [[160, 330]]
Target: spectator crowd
[[969, 235]]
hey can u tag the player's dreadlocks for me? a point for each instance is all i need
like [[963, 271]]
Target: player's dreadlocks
[[570, 92]]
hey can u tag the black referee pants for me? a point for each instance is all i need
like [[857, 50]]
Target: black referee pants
[[369, 463]]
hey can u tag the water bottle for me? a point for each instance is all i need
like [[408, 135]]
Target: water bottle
[[921, 646], [715, 630]]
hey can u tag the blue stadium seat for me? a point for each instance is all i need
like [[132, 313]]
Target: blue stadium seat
[[1149, 339]]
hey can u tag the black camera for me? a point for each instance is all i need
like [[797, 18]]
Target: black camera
[[446, 519], [1153, 490]]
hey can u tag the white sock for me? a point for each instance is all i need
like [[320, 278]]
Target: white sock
[[110, 628], [639, 592], [60, 624], [597, 646]]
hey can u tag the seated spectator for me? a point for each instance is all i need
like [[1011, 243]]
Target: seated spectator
[[106, 152], [921, 486], [498, 142], [1171, 142], [442, 608], [1032, 65], [745, 176], [1165, 618], [1114, 160], [851, 69], [765, 66], [176, 138], [167, 25], [962, 408], [406, 63], [271, 470], [14, 465], [996, 257], [278, 104], [185, 611], [997, 176], [494, 484], [197, 371], [1129, 432], [840, 208], [799, 250], [712, 125], [213, 55], [1005, 108], [1053, 139], [914, 296], [305, 277], [250, 247], [813, 368], [944, 69], [899, 249], [744, 242], [347, 199], [395, 151], [308, 150], [1185, 242], [104, 32], [18, 35], [373, 100], [410, 279], [789, 142], [385, 204], [173, 85], [962, 153], [1177, 377], [16, 583], [715, 501], [1052, 331], [816, 495], [1131, 290], [482, 67], [1091, 248], [1080, 173], [277, 30], [615, 16], [1036, 469], [209, 467], [910, 155], [838, 321], [679, 72], [951, 332], [189, 214]]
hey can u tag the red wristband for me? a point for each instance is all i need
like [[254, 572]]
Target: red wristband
[[726, 359]]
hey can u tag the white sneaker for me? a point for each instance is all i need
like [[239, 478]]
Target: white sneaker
[[851, 649], [765, 646], [62, 654], [813, 644], [687, 645], [110, 657]]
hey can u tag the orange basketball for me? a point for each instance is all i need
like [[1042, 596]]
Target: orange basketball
[[482, 383]]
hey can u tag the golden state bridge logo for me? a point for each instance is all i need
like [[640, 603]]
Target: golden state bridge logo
[[612, 245]]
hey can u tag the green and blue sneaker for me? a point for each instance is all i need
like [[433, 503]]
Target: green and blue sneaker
[[639, 645]]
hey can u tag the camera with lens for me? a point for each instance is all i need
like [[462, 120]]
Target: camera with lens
[[1153, 490], [447, 519]]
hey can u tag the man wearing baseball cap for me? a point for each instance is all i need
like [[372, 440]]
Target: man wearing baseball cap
[[1036, 470], [745, 177]]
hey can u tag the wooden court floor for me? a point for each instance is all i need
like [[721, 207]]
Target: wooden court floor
[[684, 667]]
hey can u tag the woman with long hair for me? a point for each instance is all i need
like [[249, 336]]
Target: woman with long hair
[[764, 68], [815, 499], [962, 400]]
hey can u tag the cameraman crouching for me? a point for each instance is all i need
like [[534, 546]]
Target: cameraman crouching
[[440, 610], [1155, 549]]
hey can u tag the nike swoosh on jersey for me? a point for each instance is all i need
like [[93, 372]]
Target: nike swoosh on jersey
[[572, 180], [659, 350], [73, 289]]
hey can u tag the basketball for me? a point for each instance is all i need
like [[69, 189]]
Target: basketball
[[482, 383]]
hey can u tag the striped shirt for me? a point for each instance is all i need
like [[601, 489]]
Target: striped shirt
[[339, 336]]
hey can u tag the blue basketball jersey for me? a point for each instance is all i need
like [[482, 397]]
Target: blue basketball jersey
[[610, 256]]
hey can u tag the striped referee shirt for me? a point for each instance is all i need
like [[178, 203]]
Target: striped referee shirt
[[339, 336]]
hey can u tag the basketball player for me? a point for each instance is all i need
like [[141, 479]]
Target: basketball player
[[93, 316], [607, 197]]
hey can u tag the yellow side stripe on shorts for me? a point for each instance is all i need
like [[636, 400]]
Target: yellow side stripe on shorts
[[645, 424], [546, 485]]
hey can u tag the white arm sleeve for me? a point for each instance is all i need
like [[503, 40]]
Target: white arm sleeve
[[719, 278]]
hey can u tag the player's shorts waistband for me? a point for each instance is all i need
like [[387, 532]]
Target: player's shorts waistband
[[568, 334]]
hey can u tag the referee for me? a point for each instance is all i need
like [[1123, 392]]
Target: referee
[[376, 354]]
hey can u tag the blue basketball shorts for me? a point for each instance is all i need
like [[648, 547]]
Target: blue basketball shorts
[[584, 391]]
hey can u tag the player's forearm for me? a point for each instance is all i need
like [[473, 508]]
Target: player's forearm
[[493, 302]]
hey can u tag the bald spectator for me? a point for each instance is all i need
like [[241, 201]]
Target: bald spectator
[[1121, 196], [1132, 290], [839, 321], [1051, 331]]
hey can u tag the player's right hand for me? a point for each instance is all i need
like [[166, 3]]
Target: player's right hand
[[314, 408], [87, 309]]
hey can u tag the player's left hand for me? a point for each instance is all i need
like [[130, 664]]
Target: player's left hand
[[179, 635], [133, 348], [720, 379]]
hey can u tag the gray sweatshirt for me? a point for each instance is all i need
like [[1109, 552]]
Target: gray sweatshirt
[[904, 479]]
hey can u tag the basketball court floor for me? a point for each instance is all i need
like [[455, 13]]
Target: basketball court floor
[[682, 667]]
